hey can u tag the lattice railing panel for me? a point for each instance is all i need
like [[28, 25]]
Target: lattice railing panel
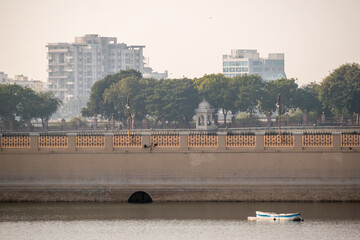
[[15, 141], [240, 141], [90, 141], [279, 141], [350, 140], [52, 141], [165, 140], [202, 140], [317, 140], [124, 140]]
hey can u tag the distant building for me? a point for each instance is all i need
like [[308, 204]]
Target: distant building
[[74, 67], [21, 80], [4, 78], [149, 73], [248, 61]]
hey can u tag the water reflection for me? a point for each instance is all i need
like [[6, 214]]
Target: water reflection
[[171, 211]]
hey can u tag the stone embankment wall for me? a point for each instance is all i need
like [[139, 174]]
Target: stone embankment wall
[[180, 167]]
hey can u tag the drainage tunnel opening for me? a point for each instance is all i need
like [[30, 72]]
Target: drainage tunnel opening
[[140, 197]]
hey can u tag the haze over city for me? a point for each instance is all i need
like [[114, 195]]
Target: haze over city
[[187, 38]]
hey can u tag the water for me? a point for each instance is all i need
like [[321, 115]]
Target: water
[[176, 221]]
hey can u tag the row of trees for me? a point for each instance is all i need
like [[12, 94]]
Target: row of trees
[[176, 99], [19, 105]]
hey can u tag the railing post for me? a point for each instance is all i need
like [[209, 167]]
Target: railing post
[[34, 142], [108, 142], [259, 139], [336, 141], [72, 141], [221, 141], [145, 139], [297, 141], [184, 140]]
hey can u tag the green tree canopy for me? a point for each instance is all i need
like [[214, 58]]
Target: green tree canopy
[[48, 104], [25, 104], [181, 100], [249, 89], [218, 91], [340, 91], [97, 104], [117, 94], [287, 89], [307, 98]]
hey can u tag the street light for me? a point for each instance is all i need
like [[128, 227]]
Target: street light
[[127, 106]]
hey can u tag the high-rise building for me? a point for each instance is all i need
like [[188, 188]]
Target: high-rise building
[[74, 67], [248, 61]]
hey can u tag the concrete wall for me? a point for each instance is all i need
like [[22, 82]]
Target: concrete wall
[[201, 175]]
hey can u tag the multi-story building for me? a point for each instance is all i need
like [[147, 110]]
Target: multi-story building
[[248, 61], [4, 78], [74, 67], [23, 81]]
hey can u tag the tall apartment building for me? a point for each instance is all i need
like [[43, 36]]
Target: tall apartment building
[[248, 61], [74, 67]]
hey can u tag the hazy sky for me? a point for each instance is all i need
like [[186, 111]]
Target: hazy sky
[[187, 37]]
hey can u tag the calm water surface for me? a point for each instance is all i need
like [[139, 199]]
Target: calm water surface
[[176, 221]]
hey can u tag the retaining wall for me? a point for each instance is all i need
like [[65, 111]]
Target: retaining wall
[[181, 167]]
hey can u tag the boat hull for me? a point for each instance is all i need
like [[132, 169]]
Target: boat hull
[[276, 216]]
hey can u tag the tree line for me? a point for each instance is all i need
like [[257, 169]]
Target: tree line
[[19, 105], [175, 100]]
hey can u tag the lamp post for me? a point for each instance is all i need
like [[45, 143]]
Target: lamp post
[[129, 115], [279, 110]]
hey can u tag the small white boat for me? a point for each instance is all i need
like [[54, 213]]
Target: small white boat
[[276, 216]]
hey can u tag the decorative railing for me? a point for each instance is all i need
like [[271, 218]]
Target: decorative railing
[[273, 139], [15, 140], [90, 140], [202, 140], [124, 140], [175, 140], [165, 140], [350, 139], [240, 139], [317, 139], [52, 140]]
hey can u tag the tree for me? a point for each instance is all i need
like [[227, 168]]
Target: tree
[[250, 89], [10, 100], [117, 94], [155, 104], [340, 91], [97, 104], [47, 105], [307, 98], [181, 100], [287, 89], [25, 104], [217, 90]]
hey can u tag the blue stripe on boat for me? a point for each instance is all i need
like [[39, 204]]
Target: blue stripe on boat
[[260, 215]]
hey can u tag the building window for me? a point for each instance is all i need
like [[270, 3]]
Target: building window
[[225, 63], [225, 70]]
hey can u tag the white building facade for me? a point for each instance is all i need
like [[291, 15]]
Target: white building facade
[[23, 81], [248, 61], [4, 78], [74, 67]]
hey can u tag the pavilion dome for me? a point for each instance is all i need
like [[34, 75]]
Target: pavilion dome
[[204, 105]]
